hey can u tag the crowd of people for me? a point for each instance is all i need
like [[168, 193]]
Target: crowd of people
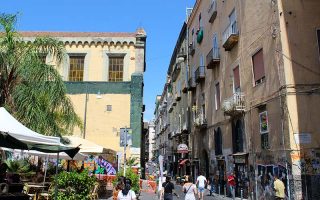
[[192, 190]]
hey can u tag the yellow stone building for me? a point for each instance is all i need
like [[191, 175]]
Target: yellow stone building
[[103, 72]]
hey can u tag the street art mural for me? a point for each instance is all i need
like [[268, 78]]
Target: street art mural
[[98, 165], [94, 164], [308, 165]]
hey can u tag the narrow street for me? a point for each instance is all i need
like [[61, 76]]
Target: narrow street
[[178, 189]]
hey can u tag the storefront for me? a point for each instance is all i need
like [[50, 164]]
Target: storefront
[[221, 174], [184, 164], [241, 171]]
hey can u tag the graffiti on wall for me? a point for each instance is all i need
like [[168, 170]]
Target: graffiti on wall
[[98, 165], [265, 180], [307, 163]]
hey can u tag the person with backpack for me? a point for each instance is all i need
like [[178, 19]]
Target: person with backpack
[[189, 189], [126, 193], [167, 190]]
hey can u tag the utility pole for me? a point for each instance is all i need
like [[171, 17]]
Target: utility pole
[[124, 153]]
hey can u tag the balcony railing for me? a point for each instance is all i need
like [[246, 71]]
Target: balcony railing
[[200, 121], [184, 86], [230, 36], [199, 74], [234, 105], [176, 72], [170, 105], [182, 54], [213, 58], [191, 49], [192, 83], [178, 96], [212, 11]]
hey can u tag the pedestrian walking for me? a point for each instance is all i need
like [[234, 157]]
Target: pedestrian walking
[[201, 183], [279, 188], [167, 190], [189, 189], [212, 184], [126, 193], [120, 186], [232, 184]]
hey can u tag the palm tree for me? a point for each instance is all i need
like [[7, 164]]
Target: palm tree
[[31, 89]]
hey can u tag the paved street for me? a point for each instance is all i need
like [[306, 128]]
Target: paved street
[[152, 196]]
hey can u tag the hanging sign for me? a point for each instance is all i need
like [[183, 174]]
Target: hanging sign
[[182, 148]]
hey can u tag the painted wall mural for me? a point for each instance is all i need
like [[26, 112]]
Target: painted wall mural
[[94, 164]]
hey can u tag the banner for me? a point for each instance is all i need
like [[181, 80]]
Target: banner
[[161, 172]]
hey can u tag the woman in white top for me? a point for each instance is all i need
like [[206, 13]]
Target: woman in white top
[[127, 193], [189, 189]]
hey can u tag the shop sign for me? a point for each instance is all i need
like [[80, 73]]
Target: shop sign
[[239, 159], [302, 138], [182, 148]]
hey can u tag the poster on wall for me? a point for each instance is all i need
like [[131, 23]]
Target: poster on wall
[[263, 118]]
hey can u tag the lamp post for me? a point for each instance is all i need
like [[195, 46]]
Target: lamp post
[[124, 151]]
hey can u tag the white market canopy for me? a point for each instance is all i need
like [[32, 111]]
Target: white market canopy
[[17, 136], [86, 146], [13, 127], [62, 155]]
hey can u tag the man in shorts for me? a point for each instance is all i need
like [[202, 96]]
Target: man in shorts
[[201, 182]]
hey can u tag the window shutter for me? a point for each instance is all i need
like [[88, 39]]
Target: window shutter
[[217, 96], [258, 66], [236, 77], [318, 34]]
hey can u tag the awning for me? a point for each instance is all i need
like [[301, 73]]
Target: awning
[[62, 155], [86, 146], [240, 154], [183, 161], [15, 135]]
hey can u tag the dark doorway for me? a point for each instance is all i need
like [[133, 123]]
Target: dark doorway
[[205, 163], [237, 136], [218, 141]]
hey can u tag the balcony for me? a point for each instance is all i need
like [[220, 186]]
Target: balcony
[[230, 36], [199, 74], [170, 105], [213, 58], [212, 11], [184, 127], [192, 84], [182, 54], [174, 103], [200, 121], [178, 96], [185, 86], [191, 49], [235, 105], [175, 72]]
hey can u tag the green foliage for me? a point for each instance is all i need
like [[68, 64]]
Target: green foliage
[[132, 161], [132, 176], [74, 186], [21, 166], [30, 88]]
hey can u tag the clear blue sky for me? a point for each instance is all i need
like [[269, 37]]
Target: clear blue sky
[[162, 20]]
